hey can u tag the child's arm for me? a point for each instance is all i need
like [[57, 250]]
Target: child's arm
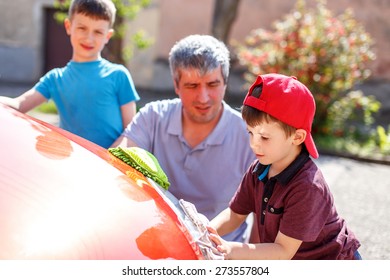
[[284, 248], [227, 221], [128, 111], [25, 102]]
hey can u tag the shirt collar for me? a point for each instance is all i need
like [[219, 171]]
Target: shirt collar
[[287, 174], [174, 125]]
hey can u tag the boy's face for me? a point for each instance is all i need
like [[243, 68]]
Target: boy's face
[[88, 36], [271, 145], [201, 96]]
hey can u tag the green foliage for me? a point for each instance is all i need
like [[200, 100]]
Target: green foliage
[[140, 40], [383, 139], [328, 54], [47, 108], [127, 10], [351, 116]]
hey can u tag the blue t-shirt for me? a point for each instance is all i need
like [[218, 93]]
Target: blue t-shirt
[[206, 175], [88, 96]]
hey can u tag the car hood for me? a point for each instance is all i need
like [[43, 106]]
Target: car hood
[[63, 197]]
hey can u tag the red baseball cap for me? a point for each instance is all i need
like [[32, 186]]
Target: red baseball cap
[[288, 100]]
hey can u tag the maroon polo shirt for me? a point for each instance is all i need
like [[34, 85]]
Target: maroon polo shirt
[[298, 203]]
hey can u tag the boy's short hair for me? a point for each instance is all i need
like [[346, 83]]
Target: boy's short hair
[[254, 117], [285, 99], [202, 52], [97, 9]]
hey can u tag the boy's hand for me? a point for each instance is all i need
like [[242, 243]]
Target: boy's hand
[[222, 245], [9, 102]]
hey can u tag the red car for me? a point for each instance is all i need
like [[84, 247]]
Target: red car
[[63, 197]]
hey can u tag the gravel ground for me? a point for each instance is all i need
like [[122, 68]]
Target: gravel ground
[[362, 195]]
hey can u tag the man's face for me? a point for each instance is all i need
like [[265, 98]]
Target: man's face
[[201, 96]]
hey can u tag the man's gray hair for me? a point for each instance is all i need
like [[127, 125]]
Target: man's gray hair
[[202, 52]]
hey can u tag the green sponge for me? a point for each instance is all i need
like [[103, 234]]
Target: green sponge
[[143, 161]]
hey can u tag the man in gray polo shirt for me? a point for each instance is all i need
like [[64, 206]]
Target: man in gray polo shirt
[[200, 142]]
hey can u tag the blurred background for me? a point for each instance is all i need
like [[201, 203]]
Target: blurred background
[[338, 48], [32, 42]]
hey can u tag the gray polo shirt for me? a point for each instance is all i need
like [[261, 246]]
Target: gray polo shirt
[[206, 175]]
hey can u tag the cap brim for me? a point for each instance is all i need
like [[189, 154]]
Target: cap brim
[[310, 146]]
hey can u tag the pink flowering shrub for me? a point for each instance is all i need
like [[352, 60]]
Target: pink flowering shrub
[[328, 54]]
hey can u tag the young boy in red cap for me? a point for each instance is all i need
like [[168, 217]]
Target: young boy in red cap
[[295, 210]]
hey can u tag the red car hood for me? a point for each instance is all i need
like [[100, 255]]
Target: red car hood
[[62, 197]]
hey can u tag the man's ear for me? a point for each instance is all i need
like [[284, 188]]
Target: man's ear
[[299, 136], [176, 86]]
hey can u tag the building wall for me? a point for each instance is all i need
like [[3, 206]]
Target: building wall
[[175, 19], [22, 25]]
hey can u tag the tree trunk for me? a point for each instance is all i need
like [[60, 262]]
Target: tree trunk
[[225, 12]]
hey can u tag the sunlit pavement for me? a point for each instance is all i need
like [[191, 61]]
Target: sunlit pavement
[[362, 196]]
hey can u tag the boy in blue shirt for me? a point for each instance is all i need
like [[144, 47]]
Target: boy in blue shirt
[[95, 98]]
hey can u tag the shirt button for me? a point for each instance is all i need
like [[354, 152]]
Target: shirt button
[[266, 199], [272, 210], [264, 212]]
